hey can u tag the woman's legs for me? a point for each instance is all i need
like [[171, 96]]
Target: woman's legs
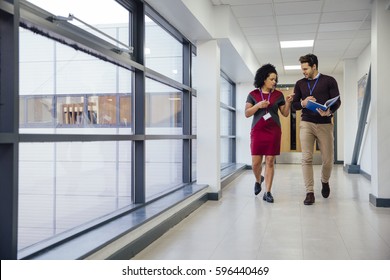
[[269, 177], [269, 172], [256, 167]]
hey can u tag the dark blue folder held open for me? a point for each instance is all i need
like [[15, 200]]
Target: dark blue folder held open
[[312, 105]]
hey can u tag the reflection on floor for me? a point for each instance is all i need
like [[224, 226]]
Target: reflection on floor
[[243, 226]]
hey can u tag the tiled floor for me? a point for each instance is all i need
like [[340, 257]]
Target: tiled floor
[[243, 226]]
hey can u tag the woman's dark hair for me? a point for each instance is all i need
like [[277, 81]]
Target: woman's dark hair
[[310, 58], [263, 73]]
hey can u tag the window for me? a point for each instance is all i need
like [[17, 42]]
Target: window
[[81, 134], [67, 186], [227, 122], [163, 166], [73, 90], [163, 53], [37, 111], [163, 109], [112, 26]]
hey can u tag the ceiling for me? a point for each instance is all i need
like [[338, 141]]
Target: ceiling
[[340, 29]]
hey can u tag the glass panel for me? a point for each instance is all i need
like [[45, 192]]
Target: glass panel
[[70, 110], [163, 109], [65, 185], [194, 160], [194, 132], [225, 152], [107, 108], [164, 160], [125, 111], [114, 23], [226, 122], [194, 71], [163, 53], [226, 92], [77, 72], [73, 90], [22, 111], [36, 111], [194, 115]]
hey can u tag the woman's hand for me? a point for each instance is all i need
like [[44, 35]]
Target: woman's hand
[[285, 109], [262, 104], [290, 97]]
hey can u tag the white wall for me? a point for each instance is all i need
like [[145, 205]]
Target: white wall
[[354, 70], [380, 99]]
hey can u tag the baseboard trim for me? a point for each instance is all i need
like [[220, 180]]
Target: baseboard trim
[[352, 168], [365, 175], [214, 196], [232, 175], [379, 202]]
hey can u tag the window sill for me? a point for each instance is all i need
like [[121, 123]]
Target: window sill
[[89, 243]]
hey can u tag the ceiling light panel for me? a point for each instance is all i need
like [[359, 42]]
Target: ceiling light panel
[[296, 44]]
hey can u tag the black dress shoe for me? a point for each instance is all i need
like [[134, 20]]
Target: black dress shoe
[[268, 197], [325, 190], [309, 200], [258, 185]]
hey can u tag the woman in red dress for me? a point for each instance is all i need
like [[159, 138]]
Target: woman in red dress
[[263, 104]]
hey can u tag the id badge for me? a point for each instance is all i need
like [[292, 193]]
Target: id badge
[[267, 116]]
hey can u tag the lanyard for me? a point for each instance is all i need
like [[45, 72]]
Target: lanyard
[[262, 97], [312, 89]]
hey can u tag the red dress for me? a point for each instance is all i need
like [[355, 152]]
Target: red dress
[[266, 134]]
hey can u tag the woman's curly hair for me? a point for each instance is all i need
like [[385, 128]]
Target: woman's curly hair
[[263, 73]]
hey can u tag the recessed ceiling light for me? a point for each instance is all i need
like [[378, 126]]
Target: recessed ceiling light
[[292, 67], [296, 44]]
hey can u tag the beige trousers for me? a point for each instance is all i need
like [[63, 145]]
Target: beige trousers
[[323, 133]]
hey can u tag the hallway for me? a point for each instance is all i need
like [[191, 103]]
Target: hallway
[[242, 226]]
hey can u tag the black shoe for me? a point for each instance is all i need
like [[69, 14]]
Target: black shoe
[[258, 185], [325, 190], [268, 197], [309, 200]]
